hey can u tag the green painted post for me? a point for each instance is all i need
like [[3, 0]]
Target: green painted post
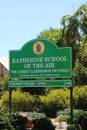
[[10, 100], [71, 105]]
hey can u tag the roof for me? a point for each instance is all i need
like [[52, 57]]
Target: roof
[[5, 62]]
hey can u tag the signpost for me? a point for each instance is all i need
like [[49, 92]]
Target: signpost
[[37, 61]]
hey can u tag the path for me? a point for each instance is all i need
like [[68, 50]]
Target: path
[[63, 125]]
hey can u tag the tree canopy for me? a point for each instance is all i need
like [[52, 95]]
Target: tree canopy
[[73, 34]]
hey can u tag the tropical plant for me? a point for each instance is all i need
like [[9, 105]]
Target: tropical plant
[[74, 29]]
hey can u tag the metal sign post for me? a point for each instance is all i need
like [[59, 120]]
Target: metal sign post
[[10, 100], [71, 105]]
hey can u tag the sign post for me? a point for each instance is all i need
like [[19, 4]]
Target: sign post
[[10, 99], [40, 59], [71, 105]]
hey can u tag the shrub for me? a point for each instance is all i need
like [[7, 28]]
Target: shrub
[[80, 117], [33, 115], [20, 101], [19, 122], [56, 100], [80, 74], [4, 102], [43, 124], [4, 82], [39, 121], [80, 97], [74, 127], [5, 121]]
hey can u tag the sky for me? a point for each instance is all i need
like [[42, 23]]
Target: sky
[[23, 20]]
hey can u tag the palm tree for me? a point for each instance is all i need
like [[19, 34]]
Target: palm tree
[[81, 13], [74, 28]]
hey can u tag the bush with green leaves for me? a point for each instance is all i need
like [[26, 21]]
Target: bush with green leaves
[[33, 115], [50, 104], [79, 117], [39, 120], [74, 127], [21, 101], [17, 121], [80, 97], [5, 121], [4, 82], [43, 124], [80, 74], [57, 99]]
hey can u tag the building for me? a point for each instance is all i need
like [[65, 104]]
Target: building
[[4, 66]]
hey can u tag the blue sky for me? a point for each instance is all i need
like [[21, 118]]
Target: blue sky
[[23, 20]]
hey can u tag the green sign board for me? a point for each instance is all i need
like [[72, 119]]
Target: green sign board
[[40, 83], [40, 58]]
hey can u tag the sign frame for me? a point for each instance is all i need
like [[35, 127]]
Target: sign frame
[[47, 64]]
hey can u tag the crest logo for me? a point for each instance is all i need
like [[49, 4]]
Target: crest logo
[[38, 48]]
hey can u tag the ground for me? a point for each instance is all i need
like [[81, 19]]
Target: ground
[[59, 126]]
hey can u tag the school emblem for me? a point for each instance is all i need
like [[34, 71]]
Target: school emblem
[[38, 48]]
